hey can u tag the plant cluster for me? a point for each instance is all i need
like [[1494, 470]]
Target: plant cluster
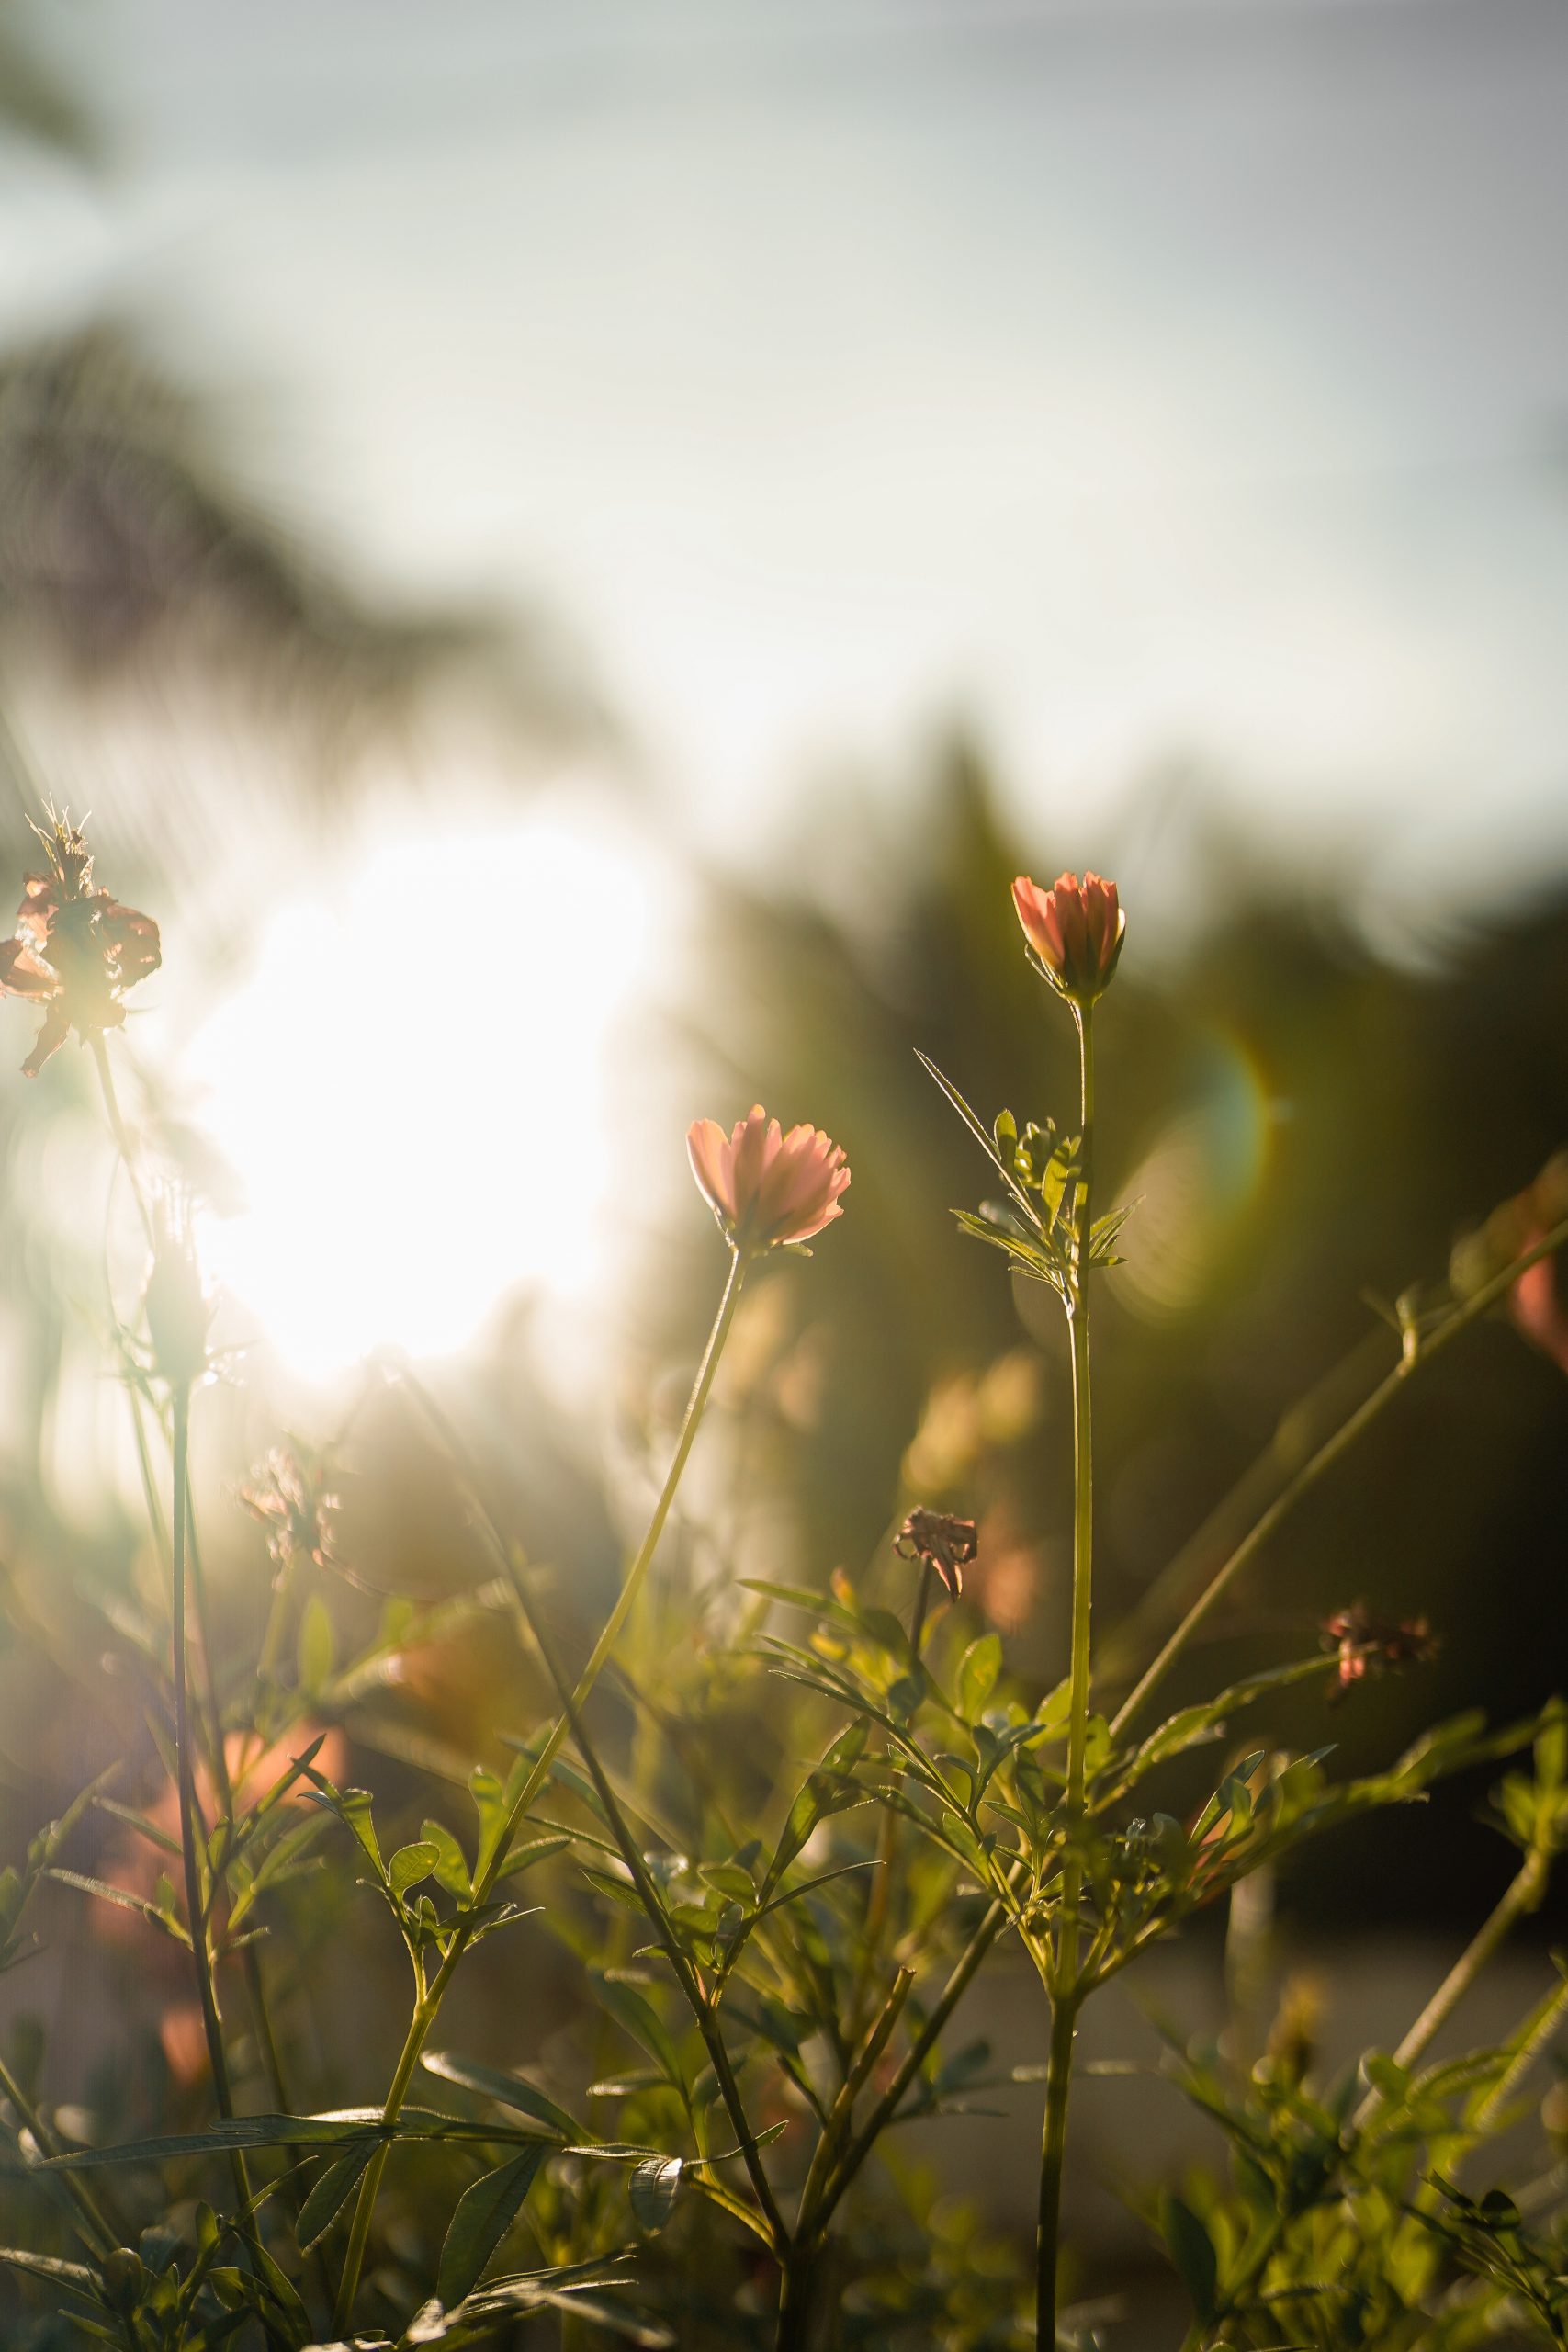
[[780, 1836]]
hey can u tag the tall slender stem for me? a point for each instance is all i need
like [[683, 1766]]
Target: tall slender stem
[[1521, 1897], [427, 2008], [1065, 1993], [1083, 1428], [184, 1775], [119, 1130], [1053, 2143]]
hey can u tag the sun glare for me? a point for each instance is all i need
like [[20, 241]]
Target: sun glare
[[412, 1084]]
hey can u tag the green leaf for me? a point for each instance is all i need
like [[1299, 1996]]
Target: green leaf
[[58, 2273], [506, 2090], [352, 1807], [1192, 2251], [329, 2192], [484, 2214], [275, 2131], [978, 1672], [642, 2020], [986, 1142], [652, 2192], [826, 1792], [151, 1912], [451, 1867], [537, 1849], [410, 1863]]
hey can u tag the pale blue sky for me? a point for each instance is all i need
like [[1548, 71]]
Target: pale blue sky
[[1156, 381]]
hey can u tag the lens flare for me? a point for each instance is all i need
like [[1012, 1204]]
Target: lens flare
[[1195, 1185], [413, 1085]]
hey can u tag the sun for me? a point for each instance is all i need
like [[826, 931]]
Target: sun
[[412, 1084]]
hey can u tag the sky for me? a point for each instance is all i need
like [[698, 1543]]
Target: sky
[[1155, 384]]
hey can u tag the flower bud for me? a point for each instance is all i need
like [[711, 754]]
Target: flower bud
[[177, 1309], [1074, 931]]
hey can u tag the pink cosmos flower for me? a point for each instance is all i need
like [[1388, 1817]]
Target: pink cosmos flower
[[1075, 929], [766, 1187]]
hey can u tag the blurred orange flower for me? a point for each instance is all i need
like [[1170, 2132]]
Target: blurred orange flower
[[766, 1187], [1076, 930], [75, 950]]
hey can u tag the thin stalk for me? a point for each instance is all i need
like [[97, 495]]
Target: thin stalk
[[427, 2007], [100, 2236], [907, 2070], [120, 1132], [880, 1904], [1519, 1897], [185, 1774], [1066, 1997], [1531, 2039], [1053, 2143], [1416, 1353]]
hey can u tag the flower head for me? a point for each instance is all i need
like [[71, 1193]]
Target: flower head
[[1075, 931], [766, 1187], [1364, 1644], [288, 1498], [75, 950], [176, 1304], [942, 1541]]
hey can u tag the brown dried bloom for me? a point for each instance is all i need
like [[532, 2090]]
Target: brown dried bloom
[[75, 950], [1366, 1645], [942, 1541]]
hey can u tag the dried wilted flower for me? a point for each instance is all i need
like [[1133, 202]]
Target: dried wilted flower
[[766, 1187], [1365, 1645], [75, 950], [942, 1541], [1075, 931], [290, 1501]]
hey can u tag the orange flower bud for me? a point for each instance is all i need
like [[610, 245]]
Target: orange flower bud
[[1075, 929], [766, 1187]]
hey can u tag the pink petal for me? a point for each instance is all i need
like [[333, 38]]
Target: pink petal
[[708, 1148]]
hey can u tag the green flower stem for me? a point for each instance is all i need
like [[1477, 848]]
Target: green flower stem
[[185, 1774], [1416, 1353], [1529, 2043], [908, 2071], [1519, 1897], [1054, 2142], [880, 1905], [1065, 1994], [120, 1132], [100, 2236], [427, 2007]]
